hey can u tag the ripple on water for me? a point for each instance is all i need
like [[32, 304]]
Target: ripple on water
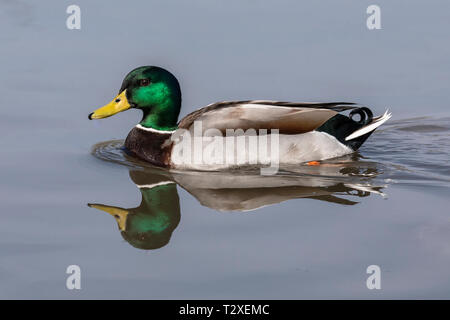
[[113, 151], [416, 149]]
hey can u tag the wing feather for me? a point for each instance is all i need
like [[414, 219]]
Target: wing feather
[[288, 117]]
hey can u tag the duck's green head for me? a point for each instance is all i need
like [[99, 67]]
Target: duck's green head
[[153, 90]]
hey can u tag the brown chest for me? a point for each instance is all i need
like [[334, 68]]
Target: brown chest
[[153, 147]]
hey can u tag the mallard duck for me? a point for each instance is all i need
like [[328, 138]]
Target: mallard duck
[[307, 132]]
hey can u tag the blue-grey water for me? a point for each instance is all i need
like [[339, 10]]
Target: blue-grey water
[[308, 233]]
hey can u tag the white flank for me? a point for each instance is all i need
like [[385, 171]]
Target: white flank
[[154, 130], [372, 126], [292, 149]]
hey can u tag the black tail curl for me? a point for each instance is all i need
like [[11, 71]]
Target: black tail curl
[[366, 115], [341, 126]]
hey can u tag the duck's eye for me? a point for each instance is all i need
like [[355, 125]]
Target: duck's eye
[[144, 82]]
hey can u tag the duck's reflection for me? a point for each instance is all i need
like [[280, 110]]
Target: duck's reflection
[[150, 225]]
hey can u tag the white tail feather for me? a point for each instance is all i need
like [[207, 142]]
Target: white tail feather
[[370, 127], [367, 188]]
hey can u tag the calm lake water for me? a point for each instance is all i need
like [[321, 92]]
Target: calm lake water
[[309, 232]]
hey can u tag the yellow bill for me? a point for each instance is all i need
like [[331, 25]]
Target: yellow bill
[[118, 104], [119, 214]]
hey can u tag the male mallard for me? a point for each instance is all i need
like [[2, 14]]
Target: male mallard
[[307, 131]]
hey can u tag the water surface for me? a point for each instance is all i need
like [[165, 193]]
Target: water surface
[[309, 232]]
